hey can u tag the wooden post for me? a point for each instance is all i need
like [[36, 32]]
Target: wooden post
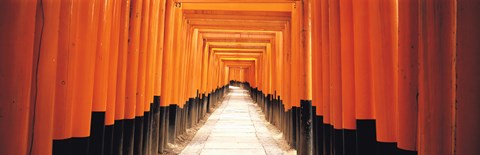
[[348, 77], [132, 77], [408, 18], [16, 65], [467, 72], [437, 74]]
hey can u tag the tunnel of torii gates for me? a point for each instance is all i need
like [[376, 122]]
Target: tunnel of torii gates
[[335, 76]]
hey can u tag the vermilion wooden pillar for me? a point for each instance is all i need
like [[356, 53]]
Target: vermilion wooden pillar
[[317, 90], [159, 49], [268, 68], [204, 57], [62, 126], [149, 82], [260, 73], [366, 131], [121, 77], [177, 58], [141, 77], [436, 77], [178, 62], [84, 51], [278, 65], [384, 46], [189, 90], [167, 77], [307, 115], [157, 90], [16, 61], [132, 77], [149, 108], [167, 73], [209, 72], [328, 126], [286, 68], [198, 62], [296, 56], [307, 48], [46, 34], [112, 79], [347, 77], [468, 73], [407, 75], [99, 102], [335, 75]]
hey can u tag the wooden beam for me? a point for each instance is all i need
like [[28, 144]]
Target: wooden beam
[[235, 1], [240, 6]]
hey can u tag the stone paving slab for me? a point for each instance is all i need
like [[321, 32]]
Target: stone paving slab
[[217, 151], [234, 128]]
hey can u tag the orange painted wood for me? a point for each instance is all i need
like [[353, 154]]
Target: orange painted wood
[[468, 87], [259, 75], [62, 126], [120, 103], [347, 64], [409, 65], [384, 46], [84, 62], [230, 1], [205, 57], [287, 61], [307, 48], [183, 61], [297, 87], [362, 62], [266, 69], [278, 66], [204, 61], [407, 74], [325, 61], [189, 90], [179, 62], [151, 53], [167, 70], [273, 73], [157, 91], [209, 72], [102, 58], [46, 77], [177, 58], [198, 58], [335, 69], [317, 90], [268, 80], [198, 61], [16, 59], [133, 60], [277, 7], [113, 64], [436, 77], [142, 59]]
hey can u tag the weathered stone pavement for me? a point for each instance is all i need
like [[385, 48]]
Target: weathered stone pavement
[[234, 128]]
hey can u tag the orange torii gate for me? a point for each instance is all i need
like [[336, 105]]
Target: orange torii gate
[[335, 76]]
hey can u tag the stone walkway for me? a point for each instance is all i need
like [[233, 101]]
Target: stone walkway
[[234, 128]]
